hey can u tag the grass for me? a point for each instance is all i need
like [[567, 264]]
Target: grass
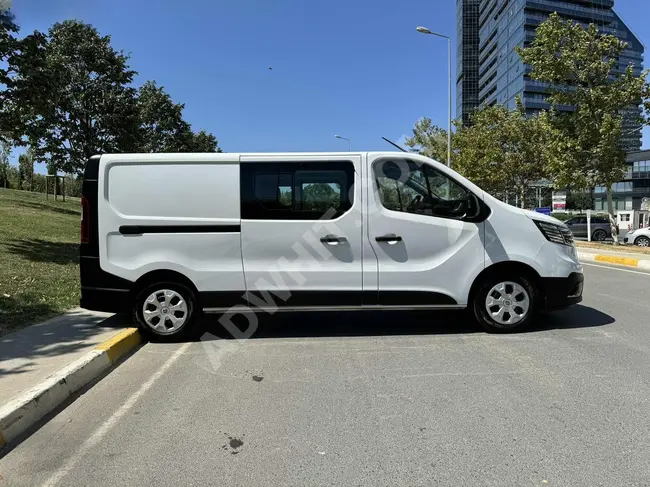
[[39, 258], [630, 249]]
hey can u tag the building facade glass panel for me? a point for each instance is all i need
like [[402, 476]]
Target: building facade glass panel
[[490, 72]]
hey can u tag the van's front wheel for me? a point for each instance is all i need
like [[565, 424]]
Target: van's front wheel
[[165, 310], [505, 305]]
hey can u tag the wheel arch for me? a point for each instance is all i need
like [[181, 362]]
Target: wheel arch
[[507, 267], [163, 275], [636, 240]]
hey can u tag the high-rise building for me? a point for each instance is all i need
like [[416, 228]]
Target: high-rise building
[[467, 58], [502, 76]]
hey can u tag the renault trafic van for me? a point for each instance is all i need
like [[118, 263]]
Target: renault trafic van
[[168, 236]]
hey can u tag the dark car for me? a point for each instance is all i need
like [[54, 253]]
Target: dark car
[[600, 227]]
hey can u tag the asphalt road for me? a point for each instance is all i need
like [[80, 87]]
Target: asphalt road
[[351, 399]]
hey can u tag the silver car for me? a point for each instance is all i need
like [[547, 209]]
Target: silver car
[[640, 237], [600, 227]]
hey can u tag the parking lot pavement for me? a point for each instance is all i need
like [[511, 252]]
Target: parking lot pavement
[[370, 399]]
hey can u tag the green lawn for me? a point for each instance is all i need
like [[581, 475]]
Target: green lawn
[[39, 257]]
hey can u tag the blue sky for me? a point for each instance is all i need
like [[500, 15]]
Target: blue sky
[[356, 68]]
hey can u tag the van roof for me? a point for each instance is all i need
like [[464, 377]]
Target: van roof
[[232, 156]]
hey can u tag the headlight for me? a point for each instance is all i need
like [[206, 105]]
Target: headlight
[[555, 233], [631, 232]]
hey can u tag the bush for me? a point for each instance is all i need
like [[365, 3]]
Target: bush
[[562, 216]]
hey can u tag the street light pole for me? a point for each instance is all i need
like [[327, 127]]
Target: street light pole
[[344, 138], [424, 30]]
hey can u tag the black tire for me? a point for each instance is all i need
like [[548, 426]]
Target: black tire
[[642, 241], [483, 316], [599, 235], [172, 333]]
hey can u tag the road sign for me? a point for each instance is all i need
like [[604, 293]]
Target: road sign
[[559, 201]]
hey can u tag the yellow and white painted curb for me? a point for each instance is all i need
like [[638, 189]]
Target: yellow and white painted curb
[[614, 259], [24, 410]]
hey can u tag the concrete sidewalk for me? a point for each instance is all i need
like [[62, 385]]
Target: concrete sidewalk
[[43, 364]]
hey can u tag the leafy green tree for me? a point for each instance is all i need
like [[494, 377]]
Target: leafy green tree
[[162, 127], [5, 167], [320, 196], [580, 66], [26, 170], [429, 139], [503, 150], [579, 200], [161, 120], [202, 141], [70, 97], [8, 29]]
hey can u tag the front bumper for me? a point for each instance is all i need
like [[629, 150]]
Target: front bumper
[[561, 292]]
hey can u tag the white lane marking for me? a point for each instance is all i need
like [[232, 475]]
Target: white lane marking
[[616, 269], [100, 432]]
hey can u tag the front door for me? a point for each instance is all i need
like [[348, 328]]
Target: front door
[[428, 255], [302, 230]]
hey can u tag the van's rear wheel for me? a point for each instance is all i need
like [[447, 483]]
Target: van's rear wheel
[[165, 310], [505, 304]]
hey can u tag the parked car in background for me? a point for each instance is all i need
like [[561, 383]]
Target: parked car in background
[[640, 237], [600, 227]]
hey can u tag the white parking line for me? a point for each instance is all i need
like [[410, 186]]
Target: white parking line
[[616, 269], [100, 432]]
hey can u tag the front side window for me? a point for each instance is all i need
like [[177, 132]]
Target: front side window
[[411, 187]]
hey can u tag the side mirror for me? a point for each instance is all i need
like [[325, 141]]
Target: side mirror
[[467, 208], [473, 206]]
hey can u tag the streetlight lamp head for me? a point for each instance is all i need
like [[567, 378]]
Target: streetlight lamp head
[[423, 30], [337, 136]]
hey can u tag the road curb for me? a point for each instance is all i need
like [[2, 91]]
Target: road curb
[[24, 410], [614, 259]]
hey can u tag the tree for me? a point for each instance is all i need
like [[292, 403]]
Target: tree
[[579, 200], [320, 196], [580, 66], [8, 28], [70, 96], [202, 141], [503, 150], [429, 139], [162, 127], [5, 168], [7, 46], [26, 169]]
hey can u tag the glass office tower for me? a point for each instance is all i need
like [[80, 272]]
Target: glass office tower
[[467, 57], [502, 76]]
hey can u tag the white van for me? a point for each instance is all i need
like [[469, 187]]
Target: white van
[[167, 236]]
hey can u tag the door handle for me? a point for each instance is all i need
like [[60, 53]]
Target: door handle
[[391, 238], [333, 240]]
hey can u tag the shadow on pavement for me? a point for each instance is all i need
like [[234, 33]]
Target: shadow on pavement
[[385, 323], [20, 350]]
